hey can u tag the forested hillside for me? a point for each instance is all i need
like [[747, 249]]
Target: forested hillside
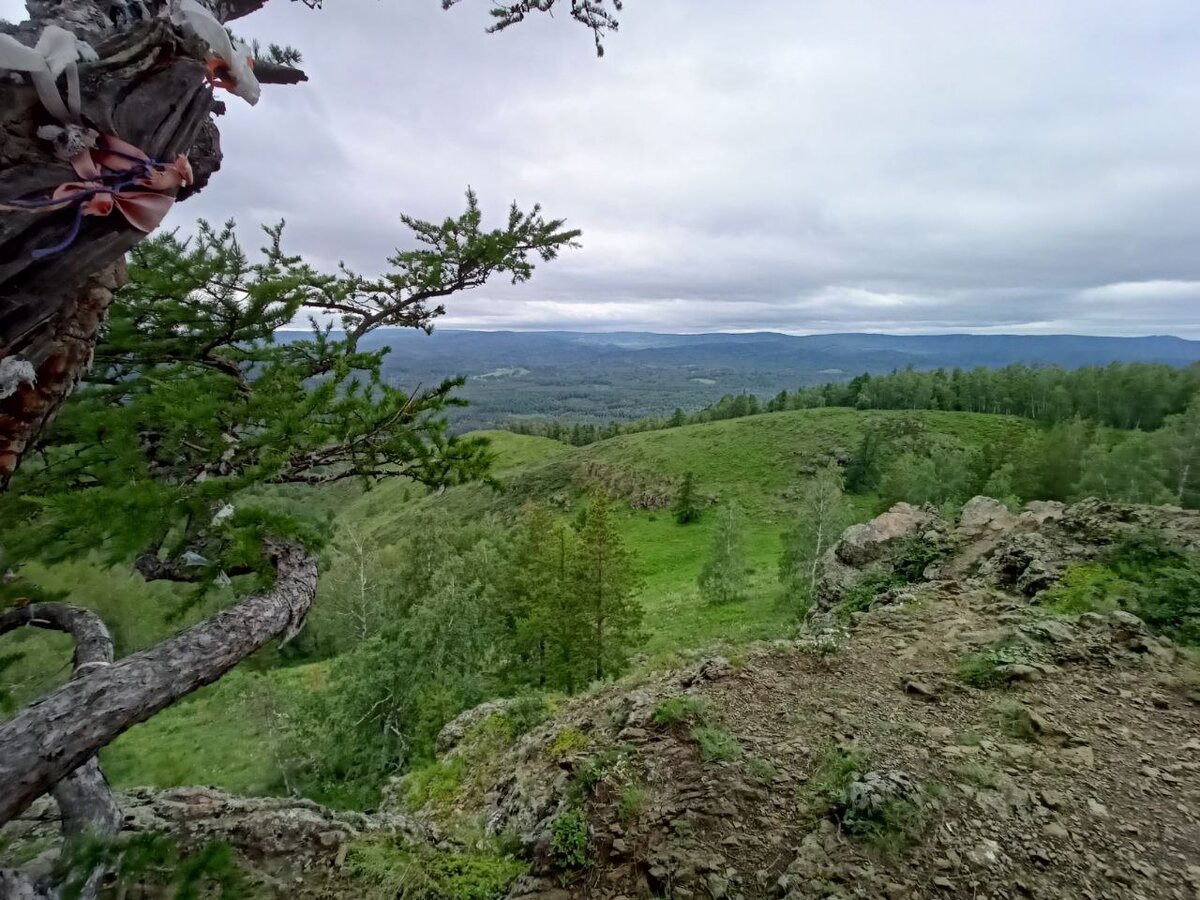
[[1132, 396], [378, 671], [592, 379], [715, 539]]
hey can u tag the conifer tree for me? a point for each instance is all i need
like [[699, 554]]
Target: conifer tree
[[723, 578], [605, 583], [820, 517], [173, 455], [865, 468], [545, 612], [685, 508]]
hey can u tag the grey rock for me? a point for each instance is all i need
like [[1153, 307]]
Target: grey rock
[[867, 796], [457, 728], [983, 516]]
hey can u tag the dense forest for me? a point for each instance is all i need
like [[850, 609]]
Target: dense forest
[[1119, 395], [596, 378]]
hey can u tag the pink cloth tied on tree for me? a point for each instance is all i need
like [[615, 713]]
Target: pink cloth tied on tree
[[144, 210], [110, 174]]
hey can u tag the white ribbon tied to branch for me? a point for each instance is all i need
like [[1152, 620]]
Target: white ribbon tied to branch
[[57, 51]]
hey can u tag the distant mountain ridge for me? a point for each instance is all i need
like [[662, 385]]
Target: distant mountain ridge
[[599, 376], [922, 350]]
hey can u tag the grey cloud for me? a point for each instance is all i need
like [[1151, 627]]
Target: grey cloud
[[917, 165]]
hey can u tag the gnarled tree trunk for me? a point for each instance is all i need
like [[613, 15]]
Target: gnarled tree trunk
[[50, 739], [84, 800]]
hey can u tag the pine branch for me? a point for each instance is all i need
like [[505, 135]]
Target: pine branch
[[594, 14]]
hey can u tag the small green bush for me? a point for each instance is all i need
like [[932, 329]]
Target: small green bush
[[594, 771], [893, 828], [566, 742], [1086, 588], [761, 769], [980, 774], [860, 596], [675, 710], [914, 556], [527, 712], [836, 771], [980, 670], [436, 783], [1145, 575], [569, 840], [631, 802], [1015, 721], [395, 870], [716, 744]]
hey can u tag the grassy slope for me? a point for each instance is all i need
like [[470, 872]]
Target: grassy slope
[[752, 461], [216, 736]]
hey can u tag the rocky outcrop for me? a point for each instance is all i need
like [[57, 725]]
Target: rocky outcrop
[[278, 840], [1025, 552], [983, 517], [870, 547], [460, 726], [288, 830], [964, 744], [876, 541]]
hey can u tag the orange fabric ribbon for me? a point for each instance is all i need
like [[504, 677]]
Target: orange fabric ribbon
[[110, 174]]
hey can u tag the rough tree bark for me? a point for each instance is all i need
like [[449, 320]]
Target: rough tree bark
[[48, 740], [85, 802], [149, 89]]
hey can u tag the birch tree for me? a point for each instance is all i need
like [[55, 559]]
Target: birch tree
[[821, 515], [723, 578]]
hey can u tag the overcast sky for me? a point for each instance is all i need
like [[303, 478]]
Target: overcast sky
[[792, 165]]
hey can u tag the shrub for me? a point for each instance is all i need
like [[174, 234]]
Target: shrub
[[914, 556], [527, 712], [893, 828], [716, 744], [631, 802], [1144, 574], [566, 742], [594, 771], [860, 596], [836, 771], [396, 870], [980, 670], [436, 783], [1086, 588], [674, 710], [972, 771], [1015, 721], [569, 839], [762, 770]]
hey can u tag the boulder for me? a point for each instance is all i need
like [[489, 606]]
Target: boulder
[[984, 517], [867, 797], [1029, 562], [1039, 512], [871, 542], [871, 547]]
